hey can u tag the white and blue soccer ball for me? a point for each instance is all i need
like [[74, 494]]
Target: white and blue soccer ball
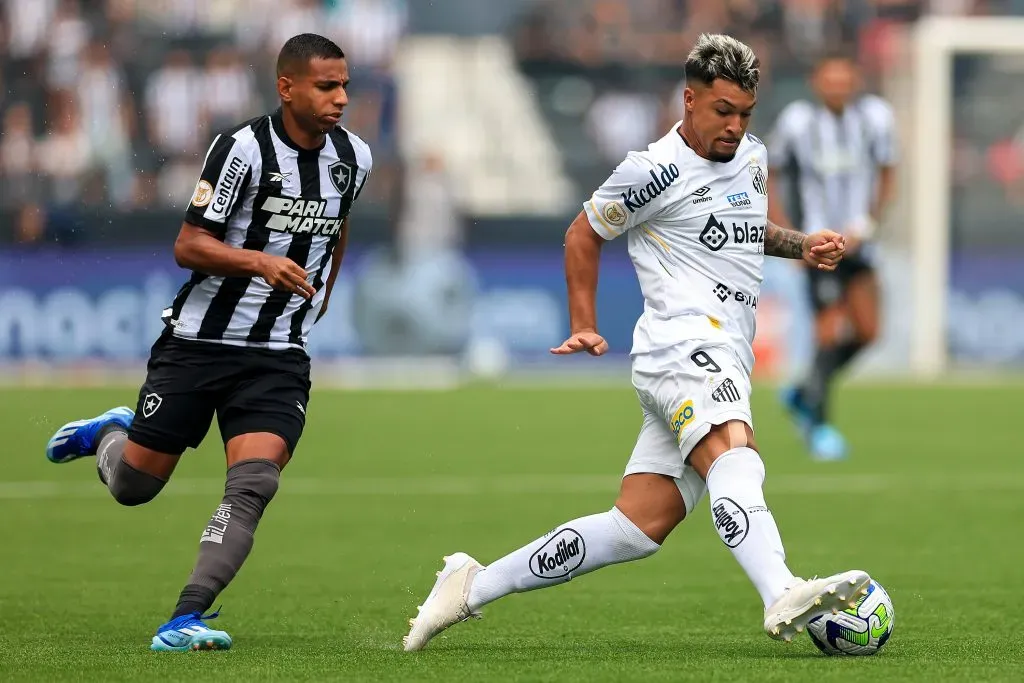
[[860, 630]]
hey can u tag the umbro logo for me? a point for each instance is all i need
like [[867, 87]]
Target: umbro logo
[[726, 392], [702, 195]]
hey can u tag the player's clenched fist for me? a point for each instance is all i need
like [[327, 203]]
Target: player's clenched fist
[[591, 342], [824, 250], [282, 273]]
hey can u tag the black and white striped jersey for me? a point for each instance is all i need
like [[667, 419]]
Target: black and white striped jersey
[[259, 190], [829, 163]]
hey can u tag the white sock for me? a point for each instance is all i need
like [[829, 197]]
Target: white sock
[[572, 549], [745, 523]]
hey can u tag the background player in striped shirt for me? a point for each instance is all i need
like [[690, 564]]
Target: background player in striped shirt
[[264, 236], [835, 158]]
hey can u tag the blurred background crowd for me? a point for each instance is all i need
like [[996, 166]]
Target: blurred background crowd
[[107, 108], [109, 104]]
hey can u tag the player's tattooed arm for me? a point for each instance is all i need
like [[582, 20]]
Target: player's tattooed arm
[[782, 242], [823, 249]]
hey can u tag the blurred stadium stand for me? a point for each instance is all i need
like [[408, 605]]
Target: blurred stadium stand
[[106, 106]]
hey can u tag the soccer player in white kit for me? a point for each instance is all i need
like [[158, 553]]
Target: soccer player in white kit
[[693, 208]]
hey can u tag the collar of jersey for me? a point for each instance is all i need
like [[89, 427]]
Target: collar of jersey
[[277, 121], [685, 144]]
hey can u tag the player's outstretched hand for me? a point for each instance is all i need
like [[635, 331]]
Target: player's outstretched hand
[[282, 273], [824, 250], [591, 342]]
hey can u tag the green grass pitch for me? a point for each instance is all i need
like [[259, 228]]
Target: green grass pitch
[[384, 484]]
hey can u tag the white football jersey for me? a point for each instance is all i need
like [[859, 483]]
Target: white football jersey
[[696, 233]]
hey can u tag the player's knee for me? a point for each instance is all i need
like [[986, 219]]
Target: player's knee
[[253, 484], [657, 528], [639, 539], [131, 487], [134, 497], [655, 516], [720, 440]]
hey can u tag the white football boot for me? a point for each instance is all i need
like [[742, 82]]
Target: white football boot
[[447, 602], [805, 600]]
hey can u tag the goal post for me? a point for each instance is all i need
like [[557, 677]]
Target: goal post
[[936, 42]]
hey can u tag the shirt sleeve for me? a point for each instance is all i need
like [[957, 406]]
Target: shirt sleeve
[[365, 161], [631, 196], [781, 140], [882, 121], [226, 175]]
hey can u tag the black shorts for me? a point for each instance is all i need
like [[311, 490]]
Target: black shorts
[[249, 389], [828, 289]]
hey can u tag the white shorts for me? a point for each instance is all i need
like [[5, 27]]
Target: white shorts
[[685, 391]]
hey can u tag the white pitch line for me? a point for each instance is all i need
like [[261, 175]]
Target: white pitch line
[[783, 484]]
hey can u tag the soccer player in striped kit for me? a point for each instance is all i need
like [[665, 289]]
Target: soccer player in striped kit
[[836, 158], [264, 235]]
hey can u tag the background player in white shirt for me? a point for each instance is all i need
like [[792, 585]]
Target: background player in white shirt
[[836, 158], [694, 209]]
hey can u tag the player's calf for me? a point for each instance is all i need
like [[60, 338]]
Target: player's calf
[[571, 549], [228, 537], [739, 513], [131, 487], [653, 503]]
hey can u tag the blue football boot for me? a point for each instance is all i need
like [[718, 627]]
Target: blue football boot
[[826, 443], [188, 632], [78, 439]]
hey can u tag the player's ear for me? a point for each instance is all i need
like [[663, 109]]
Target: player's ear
[[284, 88], [689, 97]]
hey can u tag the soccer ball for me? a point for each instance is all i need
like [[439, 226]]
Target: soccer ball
[[860, 630]]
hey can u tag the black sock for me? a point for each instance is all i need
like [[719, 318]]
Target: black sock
[[193, 599], [228, 537], [827, 362]]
